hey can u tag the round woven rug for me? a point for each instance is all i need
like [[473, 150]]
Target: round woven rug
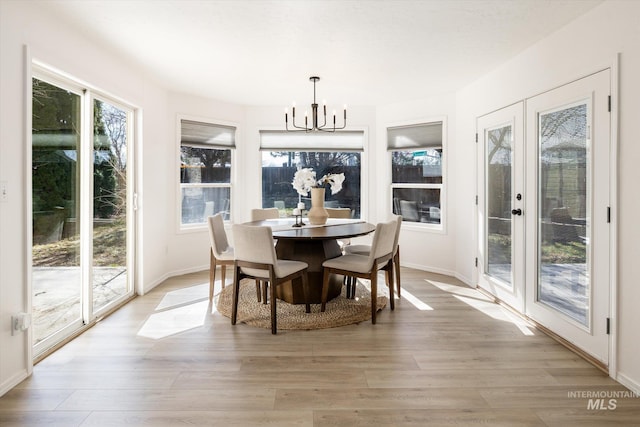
[[340, 311]]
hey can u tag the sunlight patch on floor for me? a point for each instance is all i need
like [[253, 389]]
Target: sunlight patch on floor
[[384, 291], [457, 290], [485, 305], [184, 296], [417, 303], [178, 311], [175, 320], [497, 312]]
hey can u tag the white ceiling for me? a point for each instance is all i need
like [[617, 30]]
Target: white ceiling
[[262, 52]]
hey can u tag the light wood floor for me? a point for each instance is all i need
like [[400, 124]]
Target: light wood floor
[[166, 359]]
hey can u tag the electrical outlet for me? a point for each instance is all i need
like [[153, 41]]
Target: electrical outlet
[[20, 322], [3, 191]]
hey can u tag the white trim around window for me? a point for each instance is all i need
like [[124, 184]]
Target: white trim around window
[[430, 124], [223, 144]]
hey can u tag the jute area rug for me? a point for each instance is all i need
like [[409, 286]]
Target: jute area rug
[[340, 311]]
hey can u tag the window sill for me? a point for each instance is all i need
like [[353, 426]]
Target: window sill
[[424, 227]]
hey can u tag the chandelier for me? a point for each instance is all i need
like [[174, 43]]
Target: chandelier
[[315, 125]]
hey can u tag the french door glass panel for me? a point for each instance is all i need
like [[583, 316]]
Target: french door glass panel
[[498, 204], [563, 223], [56, 274]]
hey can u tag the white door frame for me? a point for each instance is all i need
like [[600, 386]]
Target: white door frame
[[613, 200]]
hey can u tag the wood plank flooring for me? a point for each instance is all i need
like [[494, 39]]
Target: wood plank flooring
[[169, 359]]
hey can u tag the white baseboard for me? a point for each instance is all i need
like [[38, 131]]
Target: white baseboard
[[629, 383], [171, 274], [13, 381], [428, 268], [467, 281]]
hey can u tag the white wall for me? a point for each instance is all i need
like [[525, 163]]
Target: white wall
[[187, 250], [420, 247], [587, 45]]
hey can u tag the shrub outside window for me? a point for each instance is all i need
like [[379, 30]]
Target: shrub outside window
[[205, 171], [416, 172]]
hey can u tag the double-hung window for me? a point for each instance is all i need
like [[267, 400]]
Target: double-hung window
[[326, 153], [417, 186], [206, 152]]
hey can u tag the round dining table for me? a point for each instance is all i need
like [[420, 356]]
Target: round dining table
[[312, 244]]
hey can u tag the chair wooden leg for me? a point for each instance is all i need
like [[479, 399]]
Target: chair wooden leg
[[389, 277], [265, 291], [345, 282], [274, 328], [354, 285], [325, 290], [396, 260], [258, 289], [223, 274], [305, 292], [212, 274], [374, 293], [236, 293]]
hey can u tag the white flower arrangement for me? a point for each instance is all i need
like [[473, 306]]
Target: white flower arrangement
[[305, 179]]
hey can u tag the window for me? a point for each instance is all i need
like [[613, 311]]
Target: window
[[205, 170], [416, 172], [283, 153]]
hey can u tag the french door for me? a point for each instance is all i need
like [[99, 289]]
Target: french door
[[82, 216], [501, 165], [544, 231]]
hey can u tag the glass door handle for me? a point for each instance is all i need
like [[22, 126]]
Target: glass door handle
[[516, 211]]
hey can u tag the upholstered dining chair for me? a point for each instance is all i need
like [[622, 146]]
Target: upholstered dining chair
[[380, 258], [366, 249], [220, 254], [255, 257], [339, 212], [344, 213], [262, 214]]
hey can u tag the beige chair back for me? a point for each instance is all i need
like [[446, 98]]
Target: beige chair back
[[383, 240], [339, 212], [398, 220], [254, 244], [262, 214], [217, 235]]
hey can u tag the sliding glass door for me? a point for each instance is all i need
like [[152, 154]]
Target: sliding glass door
[[81, 235], [55, 177], [109, 244]]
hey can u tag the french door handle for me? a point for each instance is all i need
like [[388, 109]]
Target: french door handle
[[516, 211]]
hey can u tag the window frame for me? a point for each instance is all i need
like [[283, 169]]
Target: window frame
[[199, 226], [440, 228], [364, 165]]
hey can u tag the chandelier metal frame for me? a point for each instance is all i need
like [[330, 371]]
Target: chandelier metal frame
[[315, 126]]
